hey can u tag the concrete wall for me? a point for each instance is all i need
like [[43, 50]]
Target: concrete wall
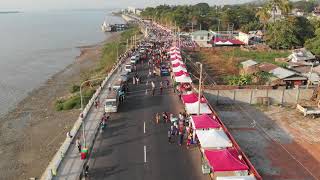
[[250, 96]]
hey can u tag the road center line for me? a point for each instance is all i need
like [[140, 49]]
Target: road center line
[[144, 127], [145, 154]]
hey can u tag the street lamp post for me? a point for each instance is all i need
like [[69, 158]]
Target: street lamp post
[[81, 104], [200, 81]]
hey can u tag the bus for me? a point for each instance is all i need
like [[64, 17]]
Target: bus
[[112, 102]]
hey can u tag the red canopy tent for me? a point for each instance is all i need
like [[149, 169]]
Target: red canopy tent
[[205, 121], [180, 73], [192, 98], [178, 64], [225, 160]]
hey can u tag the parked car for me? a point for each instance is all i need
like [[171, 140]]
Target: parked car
[[133, 59], [128, 67]]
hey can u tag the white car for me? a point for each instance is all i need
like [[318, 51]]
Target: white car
[[128, 68], [142, 50], [133, 59]]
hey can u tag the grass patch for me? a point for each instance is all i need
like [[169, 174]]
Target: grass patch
[[108, 58], [112, 49], [259, 56], [74, 102]]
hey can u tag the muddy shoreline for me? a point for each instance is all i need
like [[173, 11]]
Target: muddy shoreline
[[31, 133]]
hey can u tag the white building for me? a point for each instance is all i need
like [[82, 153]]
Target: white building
[[202, 37]]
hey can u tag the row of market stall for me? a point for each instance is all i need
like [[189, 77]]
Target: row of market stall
[[222, 157]]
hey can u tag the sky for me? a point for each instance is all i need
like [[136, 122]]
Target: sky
[[35, 5]]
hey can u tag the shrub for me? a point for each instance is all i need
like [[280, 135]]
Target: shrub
[[74, 88]]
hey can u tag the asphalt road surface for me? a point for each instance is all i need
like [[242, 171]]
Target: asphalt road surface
[[134, 147]]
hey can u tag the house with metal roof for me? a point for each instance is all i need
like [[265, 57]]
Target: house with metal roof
[[302, 56], [202, 38], [288, 78]]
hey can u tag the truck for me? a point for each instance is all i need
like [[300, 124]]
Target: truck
[[314, 111], [112, 102], [128, 67]]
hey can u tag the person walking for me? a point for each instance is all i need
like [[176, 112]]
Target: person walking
[[153, 88], [138, 80], [169, 135], [180, 137], [189, 140], [78, 143], [133, 80]]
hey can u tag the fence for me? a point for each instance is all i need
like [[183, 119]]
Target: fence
[[253, 96], [56, 160]]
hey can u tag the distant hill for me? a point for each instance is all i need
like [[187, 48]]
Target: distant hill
[[9, 12]]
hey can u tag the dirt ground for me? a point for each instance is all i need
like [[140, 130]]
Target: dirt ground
[[217, 65], [32, 133], [279, 141]]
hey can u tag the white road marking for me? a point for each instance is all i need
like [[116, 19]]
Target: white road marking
[[145, 154], [144, 127]]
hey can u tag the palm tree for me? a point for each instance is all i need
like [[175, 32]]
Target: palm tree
[[264, 16]]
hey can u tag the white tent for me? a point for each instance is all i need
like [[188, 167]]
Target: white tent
[[236, 178], [223, 43], [175, 51], [175, 56], [177, 61], [179, 68], [213, 139], [183, 79], [192, 108]]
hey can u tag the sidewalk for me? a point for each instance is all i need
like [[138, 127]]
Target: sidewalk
[[72, 166]]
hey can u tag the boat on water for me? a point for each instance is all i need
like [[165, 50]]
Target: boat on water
[[105, 27]]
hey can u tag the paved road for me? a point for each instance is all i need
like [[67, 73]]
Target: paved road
[[71, 165], [118, 152]]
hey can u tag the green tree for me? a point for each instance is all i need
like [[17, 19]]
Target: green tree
[[282, 35], [253, 25], [303, 28], [264, 16], [314, 44]]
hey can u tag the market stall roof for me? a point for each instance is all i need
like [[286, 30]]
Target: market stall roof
[[180, 73], [174, 57], [175, 52], [176, 61], [192, 98], [225, 160], [192, 108], [183, 79], [236, 178], [179, 68], [179, 64], [204, 121], [174, 48], [213, 139]]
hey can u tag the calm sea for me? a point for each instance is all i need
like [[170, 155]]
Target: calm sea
[[35, 46]]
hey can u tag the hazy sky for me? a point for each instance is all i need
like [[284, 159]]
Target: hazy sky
[[27, 5]]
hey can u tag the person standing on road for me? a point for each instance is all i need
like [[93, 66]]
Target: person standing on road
[[78, 143], [169, 135], [153, 88], [180, 137]]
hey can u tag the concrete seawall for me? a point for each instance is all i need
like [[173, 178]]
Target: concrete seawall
[[251, 96]]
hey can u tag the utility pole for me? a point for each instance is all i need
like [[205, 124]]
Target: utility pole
[[200, 82], [310, 73], [191, 26], [127, 44]]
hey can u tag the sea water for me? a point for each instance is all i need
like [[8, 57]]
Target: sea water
[[36, 45]]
